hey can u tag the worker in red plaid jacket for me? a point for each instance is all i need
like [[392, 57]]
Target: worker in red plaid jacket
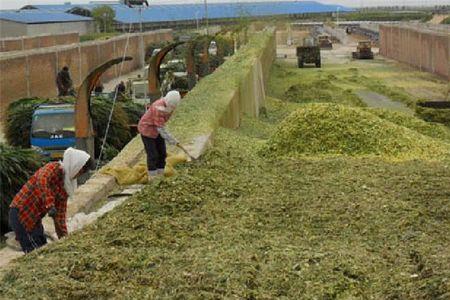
[[46, 192], [154, 134]]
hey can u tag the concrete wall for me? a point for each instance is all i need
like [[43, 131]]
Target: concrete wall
[[32, 73], [16, 29], [241, 91], [12, 29], [426, 49], [38, 41], [83, 27], [337, 32]]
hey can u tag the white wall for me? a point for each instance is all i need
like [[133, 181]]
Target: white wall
[[15, 29], [58, 28], [12, 29]]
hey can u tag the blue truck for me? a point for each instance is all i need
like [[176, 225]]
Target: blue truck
[[53, 129]]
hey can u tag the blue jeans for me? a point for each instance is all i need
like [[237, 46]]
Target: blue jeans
[[28, 240]]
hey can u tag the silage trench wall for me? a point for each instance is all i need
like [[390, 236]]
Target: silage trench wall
[[424, 48], [234, 89]]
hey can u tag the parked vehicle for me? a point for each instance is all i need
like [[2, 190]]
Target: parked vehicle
[[363, 50], [53, 129], [309, 53]]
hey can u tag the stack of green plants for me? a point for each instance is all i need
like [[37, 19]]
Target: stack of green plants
[[329, 129], [235, 225], [200, 111], [133, 110], [321, 91], [434, 115], [16, 166], [18, 121], [431, 129]]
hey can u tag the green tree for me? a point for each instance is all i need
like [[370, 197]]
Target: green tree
[[104, 18]]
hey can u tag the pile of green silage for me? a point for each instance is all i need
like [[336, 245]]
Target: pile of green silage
[[321, 91], [430, 128], [16, 166], [235, 225], [330, 129]]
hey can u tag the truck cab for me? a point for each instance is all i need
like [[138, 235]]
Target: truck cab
[[324, 41], [53, 129]]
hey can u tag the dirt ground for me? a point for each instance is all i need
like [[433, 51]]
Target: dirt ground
[[418, 85], [437, 19]]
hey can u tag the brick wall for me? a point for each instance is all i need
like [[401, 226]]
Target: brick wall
[[41, 41], [425, 49], [33, 73]]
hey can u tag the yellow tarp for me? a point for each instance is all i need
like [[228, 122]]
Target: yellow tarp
[[138, 174]]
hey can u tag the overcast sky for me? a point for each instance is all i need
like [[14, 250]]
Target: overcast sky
[[14, 4]]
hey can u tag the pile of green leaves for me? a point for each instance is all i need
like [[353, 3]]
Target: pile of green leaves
[[430, 128], [396, 94], [203, 106], [133, 110], [225, 45], [16, 166], [119, 132], [336, 228], [446, 21], [434, 115], [18, 121], [329, 129], [321, 91]]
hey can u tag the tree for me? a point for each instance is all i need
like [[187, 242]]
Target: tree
[[104, 18]]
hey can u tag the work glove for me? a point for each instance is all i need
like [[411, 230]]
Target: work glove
[[52, 212]]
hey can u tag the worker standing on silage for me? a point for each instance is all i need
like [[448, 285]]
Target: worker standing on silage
[[64, 82], [153, 133], [46, 192]]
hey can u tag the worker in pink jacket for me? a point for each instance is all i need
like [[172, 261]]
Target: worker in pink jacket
[[154, 135]]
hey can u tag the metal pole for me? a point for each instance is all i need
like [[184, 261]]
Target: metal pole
[[140, 19], [206, 16], [141, 39], [337, 17], [196, 19], [104, 22]]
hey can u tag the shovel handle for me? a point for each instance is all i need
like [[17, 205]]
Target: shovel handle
[[185, 151]]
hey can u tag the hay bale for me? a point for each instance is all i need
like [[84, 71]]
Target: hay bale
[[16, 166], [329, 129]]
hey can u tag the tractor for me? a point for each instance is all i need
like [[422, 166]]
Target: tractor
[[309, 53], [363, 51], [325, 42]]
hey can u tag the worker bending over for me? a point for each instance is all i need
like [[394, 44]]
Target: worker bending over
[[153, 133], [46, 192]]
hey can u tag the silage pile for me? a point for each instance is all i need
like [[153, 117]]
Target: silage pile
[[431, 129], [330, 129], [321, 91]]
